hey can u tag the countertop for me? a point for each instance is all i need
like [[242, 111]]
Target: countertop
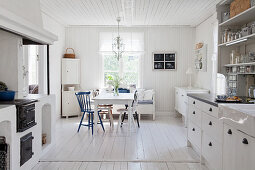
[[248, 109], [204, 97], [210, 99]]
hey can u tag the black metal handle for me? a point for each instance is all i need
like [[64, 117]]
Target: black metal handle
[[194, 102], [194, 112], [210, 123], [229, 131], [210, 144], [245, 141], [210, 110], [193, 129]]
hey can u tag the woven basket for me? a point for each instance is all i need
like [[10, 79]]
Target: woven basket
[[69, 55]]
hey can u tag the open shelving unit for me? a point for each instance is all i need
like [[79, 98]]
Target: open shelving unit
[[240, 19], [237, 75]]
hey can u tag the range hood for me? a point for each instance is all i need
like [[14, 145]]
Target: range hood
[[28, 30]]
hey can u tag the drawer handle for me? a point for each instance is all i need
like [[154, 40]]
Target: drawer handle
[[229, 131], [245, 141], [210, 144], [193, 129], [194, 102], [194, 112], [210, 110], [210, 123], [182, 95]]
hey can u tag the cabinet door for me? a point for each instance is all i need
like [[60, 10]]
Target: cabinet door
[[245, 151], [177, 100], [181, 103], [229, 138], [70, 71], [70, 106]]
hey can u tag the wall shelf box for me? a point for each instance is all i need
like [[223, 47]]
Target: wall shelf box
[[201, 58]]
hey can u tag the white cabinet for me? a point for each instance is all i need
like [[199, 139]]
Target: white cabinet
[[70, 77], [205, 132], [238, 150], [70, 71], [70, 106], [181, 99]]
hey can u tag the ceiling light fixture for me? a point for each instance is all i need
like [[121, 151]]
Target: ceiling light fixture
[[118, 46]]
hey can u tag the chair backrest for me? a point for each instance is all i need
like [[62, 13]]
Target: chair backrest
[[135, 101], [84, 101]]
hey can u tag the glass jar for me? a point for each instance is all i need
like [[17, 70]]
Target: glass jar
[[232, 57]]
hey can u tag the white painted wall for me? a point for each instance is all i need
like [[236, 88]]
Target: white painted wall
[[205, 34], [11, 61], [56, 53], [85, 41]]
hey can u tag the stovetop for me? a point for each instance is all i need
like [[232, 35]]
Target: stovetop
[[18, 102]]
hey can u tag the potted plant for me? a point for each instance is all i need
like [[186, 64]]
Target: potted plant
[[115, 82]]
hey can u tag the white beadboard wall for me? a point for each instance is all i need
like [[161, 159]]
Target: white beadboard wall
[[85, 41], [205, 33], [56, 53]]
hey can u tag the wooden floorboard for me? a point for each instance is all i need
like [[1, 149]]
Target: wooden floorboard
[[159, 144]]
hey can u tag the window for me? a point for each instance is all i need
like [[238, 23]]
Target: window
[[127, 67], [33, 65]]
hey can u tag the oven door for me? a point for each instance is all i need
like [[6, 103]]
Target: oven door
[[26, 117], [26, 148]]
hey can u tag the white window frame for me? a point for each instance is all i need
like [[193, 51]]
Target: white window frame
[[121, 69]]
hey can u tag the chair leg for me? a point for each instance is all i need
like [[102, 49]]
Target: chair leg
[[111, 117], [119, 122], [81, 122], [92, 127], [101, 121], [137, 118], [89, 121], [123, 118]]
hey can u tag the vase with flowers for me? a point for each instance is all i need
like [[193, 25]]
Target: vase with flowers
[[115, 82]]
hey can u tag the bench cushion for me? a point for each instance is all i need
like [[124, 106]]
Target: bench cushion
[[145, 101]]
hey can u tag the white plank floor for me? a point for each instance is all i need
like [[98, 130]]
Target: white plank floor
[[159, 144]]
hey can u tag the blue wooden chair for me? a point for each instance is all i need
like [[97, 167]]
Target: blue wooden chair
[[84, 102]]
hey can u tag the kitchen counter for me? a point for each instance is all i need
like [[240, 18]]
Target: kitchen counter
[[204, 97], [240, 116], [210, 99]]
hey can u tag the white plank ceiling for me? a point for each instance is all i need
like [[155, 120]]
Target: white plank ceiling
[[134, 12]]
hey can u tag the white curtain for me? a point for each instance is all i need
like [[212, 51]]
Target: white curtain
[[134, 41]]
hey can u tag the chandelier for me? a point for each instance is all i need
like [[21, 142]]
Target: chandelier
[[117, 45]]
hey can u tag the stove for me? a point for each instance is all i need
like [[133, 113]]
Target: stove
[[25, 114]]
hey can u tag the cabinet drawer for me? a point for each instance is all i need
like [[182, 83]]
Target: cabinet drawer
[[211, 110], [245, 151], [194, 135], [212, 152], [195, 115], [196, 103], [212, 126]]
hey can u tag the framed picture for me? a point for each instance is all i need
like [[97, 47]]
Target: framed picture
[[164, 61], [159, 65]]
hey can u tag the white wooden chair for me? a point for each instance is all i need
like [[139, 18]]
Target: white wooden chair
[[124, 111]]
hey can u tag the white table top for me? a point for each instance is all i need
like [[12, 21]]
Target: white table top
[[110, 96]]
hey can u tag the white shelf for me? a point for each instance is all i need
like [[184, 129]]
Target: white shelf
[[241, 19], [238, 41], [240, 64]]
